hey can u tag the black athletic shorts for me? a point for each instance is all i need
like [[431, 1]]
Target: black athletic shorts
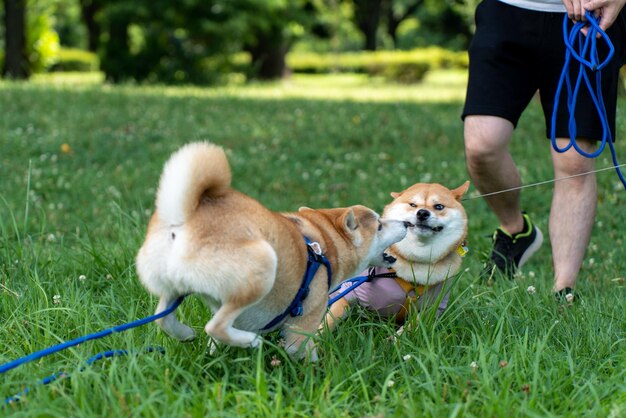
[[516, 52]]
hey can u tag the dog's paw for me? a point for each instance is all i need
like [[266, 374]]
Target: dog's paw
[[256, 342], [212, 345], [181, 332], [188, 336]]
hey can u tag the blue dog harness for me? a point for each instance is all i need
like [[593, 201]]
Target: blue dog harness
[[315, 260]]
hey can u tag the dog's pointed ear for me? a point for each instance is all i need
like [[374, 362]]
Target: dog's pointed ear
[[349, 221], [395, 195], [460, 191]]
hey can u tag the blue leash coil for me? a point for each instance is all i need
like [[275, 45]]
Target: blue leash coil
[[583, 49]]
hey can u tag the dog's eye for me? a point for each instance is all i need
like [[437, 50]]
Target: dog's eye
[[439, 206], [380, 226], [413, 205]]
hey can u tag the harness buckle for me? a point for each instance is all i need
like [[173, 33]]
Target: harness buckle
[[297, 310], [316, 247]]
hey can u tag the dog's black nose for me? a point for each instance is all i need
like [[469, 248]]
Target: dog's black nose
[[423, 214], [389, 258]]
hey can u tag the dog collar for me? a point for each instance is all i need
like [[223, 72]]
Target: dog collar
[[462, 249], [315, 259]]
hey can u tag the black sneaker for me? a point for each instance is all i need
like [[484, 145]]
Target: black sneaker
[[510, 252]]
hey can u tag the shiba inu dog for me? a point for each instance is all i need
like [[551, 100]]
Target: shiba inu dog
[[430, 253], [247, 263]]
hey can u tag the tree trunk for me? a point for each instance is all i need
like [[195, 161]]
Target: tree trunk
[[15, 59], [367, 14], [268, 55], [88, 10], [393, 20]]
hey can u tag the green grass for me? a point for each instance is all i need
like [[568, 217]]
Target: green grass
[[319, 142]]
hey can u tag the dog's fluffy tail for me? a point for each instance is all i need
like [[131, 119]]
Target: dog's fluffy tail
[[196, 170]]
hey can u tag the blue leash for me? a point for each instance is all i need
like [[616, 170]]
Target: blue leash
[[583, 49], [90, 361], [356, 282], [62, 346]]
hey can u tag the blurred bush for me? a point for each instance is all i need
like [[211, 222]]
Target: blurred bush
[[72, 59], [401, 66], [42, 43]]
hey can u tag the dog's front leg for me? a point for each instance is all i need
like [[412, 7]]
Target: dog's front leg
[[299, 344], [300, 331], [337, 311], [170, 324]]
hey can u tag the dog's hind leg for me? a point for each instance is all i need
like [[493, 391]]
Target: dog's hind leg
[[221, 328], [170, 324], [255, 277]]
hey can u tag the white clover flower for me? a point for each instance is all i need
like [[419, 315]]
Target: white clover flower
[[569, 298], [390, 383], [474, 365], [82, 277], [51, 238], [531, 290], [56, 299], [531, 274], [407, 357]]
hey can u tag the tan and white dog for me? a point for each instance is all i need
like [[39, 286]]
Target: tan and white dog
[[246, 262], [430, 253]]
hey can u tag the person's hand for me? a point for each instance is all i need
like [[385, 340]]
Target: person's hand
[[606, 9], [575, 9]]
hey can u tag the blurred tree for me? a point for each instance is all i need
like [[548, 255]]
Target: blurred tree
[[68, 23], [194, 41], [440, 22], [370, 14], [367, 15], [89, 10], [42, 40], [16, 63], [273, 27], [397, 12]]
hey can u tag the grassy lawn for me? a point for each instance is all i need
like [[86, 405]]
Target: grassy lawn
[[79, 164]]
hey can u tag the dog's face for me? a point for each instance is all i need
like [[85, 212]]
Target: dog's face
[[439, 219], [364, 231]]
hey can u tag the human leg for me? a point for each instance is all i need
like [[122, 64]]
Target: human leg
[[492, 169], [572, 212]]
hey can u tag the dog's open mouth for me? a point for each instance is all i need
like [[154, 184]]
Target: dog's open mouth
[[427, 227]]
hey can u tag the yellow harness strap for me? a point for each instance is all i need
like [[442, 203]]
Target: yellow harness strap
[[408, 288], [419, 289]]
